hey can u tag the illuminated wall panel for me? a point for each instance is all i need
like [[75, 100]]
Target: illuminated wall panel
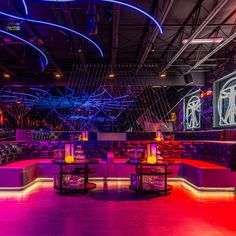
[[192, 111], [224, 104]]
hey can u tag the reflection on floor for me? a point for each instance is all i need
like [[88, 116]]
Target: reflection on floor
[[112, 210]]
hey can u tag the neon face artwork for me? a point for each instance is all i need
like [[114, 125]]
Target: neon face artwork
[[227, 103]]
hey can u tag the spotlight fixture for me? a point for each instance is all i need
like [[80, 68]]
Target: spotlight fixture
[[163, 74], [58, 75], [204, 40], [111, 75], [6, 75], [153, 48], [18, 102]]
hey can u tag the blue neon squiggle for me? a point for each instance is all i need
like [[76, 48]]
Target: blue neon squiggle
[[25, 7], [54, 25], [122, 4], [30, 44]]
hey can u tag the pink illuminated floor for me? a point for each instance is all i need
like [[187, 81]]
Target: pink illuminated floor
[[113, 210]]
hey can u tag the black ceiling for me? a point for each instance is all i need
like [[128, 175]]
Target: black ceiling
[[128, 39]]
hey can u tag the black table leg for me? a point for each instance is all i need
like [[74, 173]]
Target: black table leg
[[60, 176], [85, 176]]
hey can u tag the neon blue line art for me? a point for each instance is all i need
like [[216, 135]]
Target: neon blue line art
[[25, 7]]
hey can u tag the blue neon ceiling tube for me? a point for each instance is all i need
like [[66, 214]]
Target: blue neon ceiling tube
[[122, 4], [25, 7], [27, 42], [56, 26]]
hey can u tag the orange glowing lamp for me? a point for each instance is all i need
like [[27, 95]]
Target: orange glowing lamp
[[151, 160], [69, 152], [209, 92], [202, 95], [69, 159]]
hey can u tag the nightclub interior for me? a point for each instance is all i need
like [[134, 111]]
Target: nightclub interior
[[118, 117]]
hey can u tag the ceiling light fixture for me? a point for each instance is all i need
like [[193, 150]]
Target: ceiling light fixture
[[203, 40], [153, 48], [111, 75], [57, 75], [6, 75], [163, 74]]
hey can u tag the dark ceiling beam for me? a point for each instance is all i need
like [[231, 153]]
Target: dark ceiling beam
[[199, 29], [3, 67], [148, 76], [70, 23], [215, 30], [188, 18], [125, 81], [115, 31], [13, 54], [144, 54], [166, 26], [199, 63]]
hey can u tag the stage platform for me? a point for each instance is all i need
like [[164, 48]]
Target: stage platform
[[203, 175]]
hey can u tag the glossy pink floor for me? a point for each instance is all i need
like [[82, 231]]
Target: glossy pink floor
[[113, 210]]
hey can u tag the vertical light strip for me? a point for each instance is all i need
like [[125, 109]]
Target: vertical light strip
[[25, 7]]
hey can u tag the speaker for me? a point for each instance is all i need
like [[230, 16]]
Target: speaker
[[188, 79]]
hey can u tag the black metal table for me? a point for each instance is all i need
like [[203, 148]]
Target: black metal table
[[81, 168], [146, 169]]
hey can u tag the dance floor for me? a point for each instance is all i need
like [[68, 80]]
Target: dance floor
[[113, 210]]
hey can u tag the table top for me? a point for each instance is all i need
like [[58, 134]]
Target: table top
[[160, 162], [76, 162]]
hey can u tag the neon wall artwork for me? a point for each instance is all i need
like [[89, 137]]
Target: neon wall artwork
[[192, 111], [225, 101]]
